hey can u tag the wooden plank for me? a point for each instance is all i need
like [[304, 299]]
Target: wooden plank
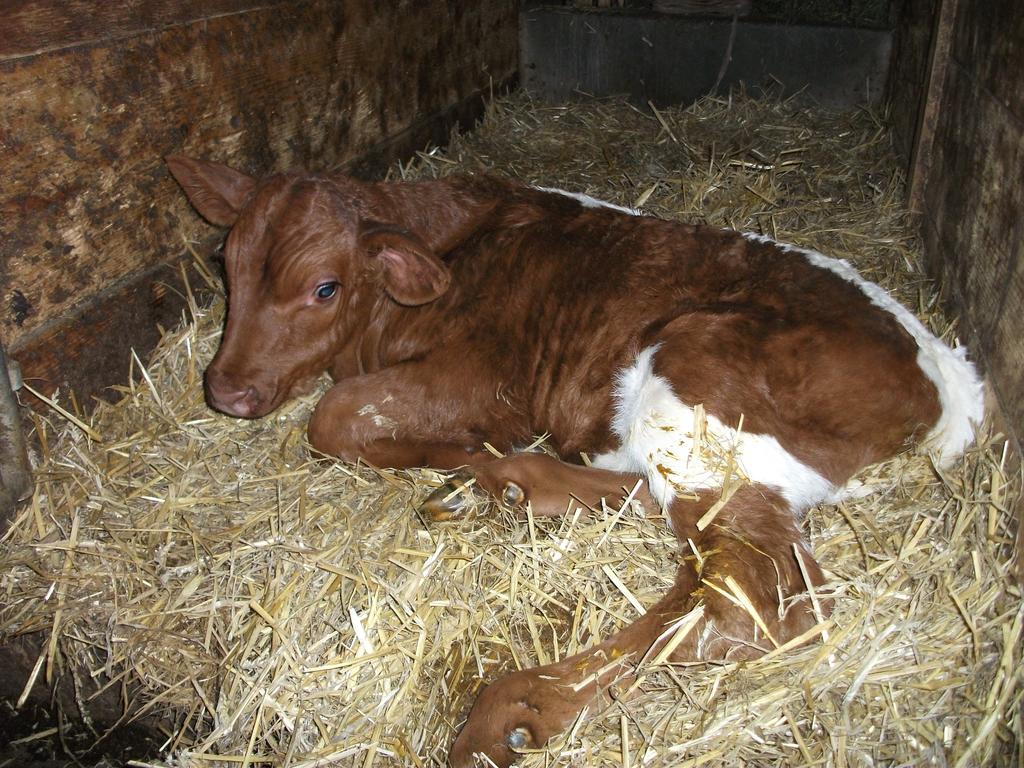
[[88, 208], [916, 74], [930, 104], [911, 43], [93, 351], [988, 43], [87, 201], [37, 26], [974, 235], [429, 131], [15, 471], [965, 181], [675, 59]]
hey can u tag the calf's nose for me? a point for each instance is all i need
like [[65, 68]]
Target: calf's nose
[[240, 403], [229, 398]]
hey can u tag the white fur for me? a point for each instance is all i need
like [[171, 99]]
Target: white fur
[[960, 389], [656, 433], [591, 202]]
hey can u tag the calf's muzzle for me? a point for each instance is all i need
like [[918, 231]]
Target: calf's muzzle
[[231, 398]]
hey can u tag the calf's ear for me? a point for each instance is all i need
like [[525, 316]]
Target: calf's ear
[[412, 274], [215, 190]]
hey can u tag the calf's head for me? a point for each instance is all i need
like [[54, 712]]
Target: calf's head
[[307, 260]]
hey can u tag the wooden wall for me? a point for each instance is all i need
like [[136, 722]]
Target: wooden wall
[[961, 131], [969, 157], [93, 94]]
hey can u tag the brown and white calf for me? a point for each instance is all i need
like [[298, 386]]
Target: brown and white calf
[[469, 309]]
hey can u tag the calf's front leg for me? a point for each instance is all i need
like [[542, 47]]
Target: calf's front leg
[[399, 417], [549, 485]]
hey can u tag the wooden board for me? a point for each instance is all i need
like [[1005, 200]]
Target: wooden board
[[915, 80], [92, 97], [974, 193], [41, 26]]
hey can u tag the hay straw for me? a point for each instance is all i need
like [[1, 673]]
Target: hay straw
[[70, 417], [278, 609]]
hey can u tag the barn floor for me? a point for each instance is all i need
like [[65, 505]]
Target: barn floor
[[284, 611]]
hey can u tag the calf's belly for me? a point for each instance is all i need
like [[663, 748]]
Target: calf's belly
[[681, 448]]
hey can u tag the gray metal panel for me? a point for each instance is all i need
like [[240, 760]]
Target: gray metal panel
[[672, 59]]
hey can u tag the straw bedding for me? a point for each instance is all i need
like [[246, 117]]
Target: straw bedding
[[281, 610]]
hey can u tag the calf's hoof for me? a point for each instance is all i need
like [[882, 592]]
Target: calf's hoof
[[450, 500], [464, 490], [514, 714]]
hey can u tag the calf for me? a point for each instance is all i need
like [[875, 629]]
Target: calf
[[740, 379]]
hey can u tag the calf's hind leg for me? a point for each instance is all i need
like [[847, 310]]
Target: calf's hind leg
[[526, 708], [749, 548], [550, 486]]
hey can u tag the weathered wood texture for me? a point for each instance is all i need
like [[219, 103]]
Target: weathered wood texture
[[916, 79], [974, 193], [94, 94]]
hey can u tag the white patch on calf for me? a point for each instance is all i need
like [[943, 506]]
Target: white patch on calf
[[960, 389], [591, 202], [378, 419], [385, 423], [657, 438]]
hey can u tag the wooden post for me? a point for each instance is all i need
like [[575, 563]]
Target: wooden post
[[921, 153], [15, 477]]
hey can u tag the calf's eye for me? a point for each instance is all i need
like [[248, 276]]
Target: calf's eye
[[325, 291]]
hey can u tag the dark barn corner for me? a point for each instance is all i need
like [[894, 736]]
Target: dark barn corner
[[101, 256]]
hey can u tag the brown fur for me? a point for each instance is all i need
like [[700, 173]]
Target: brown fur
[[753, 537], [474, 309]]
